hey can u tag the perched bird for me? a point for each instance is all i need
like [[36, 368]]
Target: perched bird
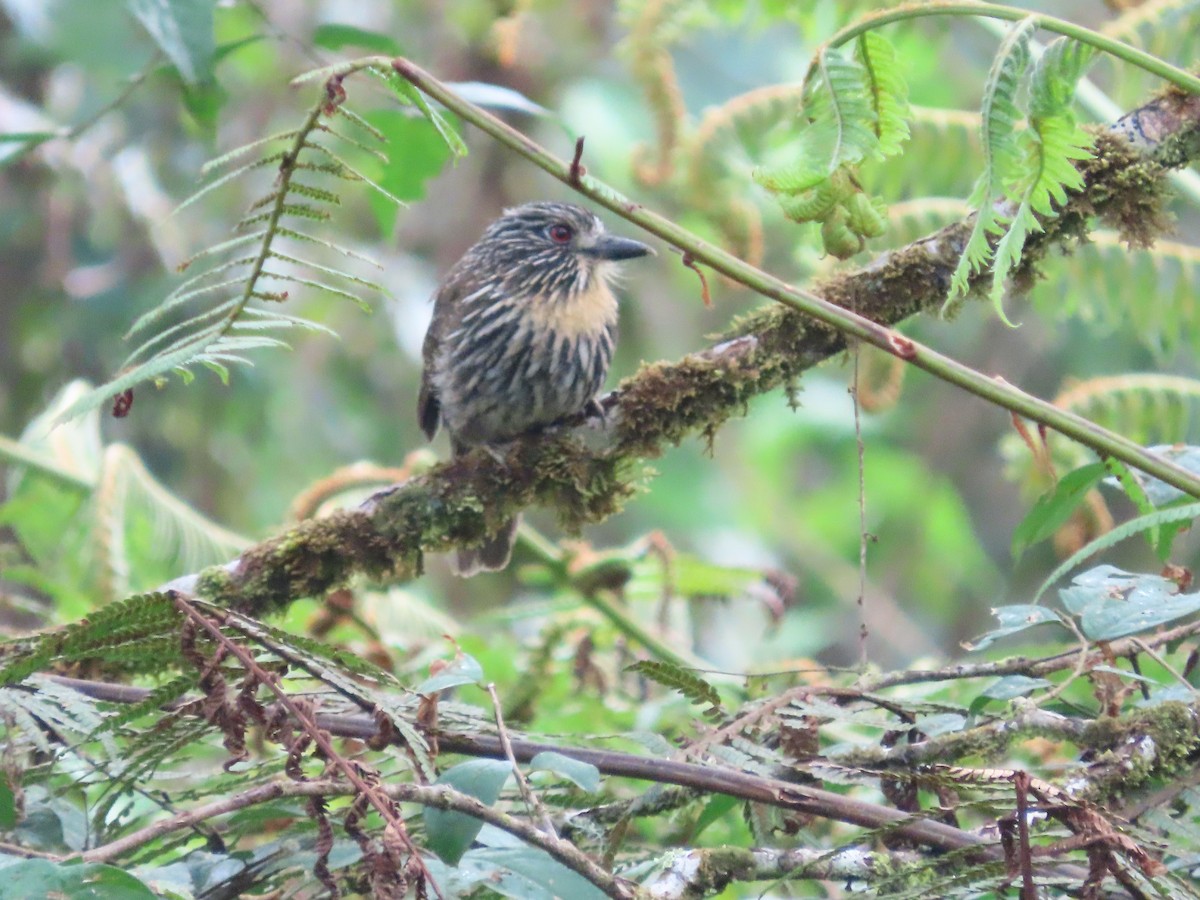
[[522, 335]]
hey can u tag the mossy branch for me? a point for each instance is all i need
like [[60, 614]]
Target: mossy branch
[[458, 502]]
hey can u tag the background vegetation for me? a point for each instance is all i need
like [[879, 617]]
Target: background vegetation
[[720, 620]]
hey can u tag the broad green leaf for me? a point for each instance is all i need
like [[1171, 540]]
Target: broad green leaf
[[1159, 492], [416, 152], [717, 807], [1013, 620], [183, 29], [941, 723], [89, 881], [583, 775], [1112, 603], [532, 874], [8, 812], [1160, 539], [336, 36], [465, 669], [451, 833], [1054, 508], [406, 91], [1014, 686], [1125, 530]]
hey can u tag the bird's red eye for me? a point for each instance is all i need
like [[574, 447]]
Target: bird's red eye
[[560, 233]]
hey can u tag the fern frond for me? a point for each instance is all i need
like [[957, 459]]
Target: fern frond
[[212, 337], [329, 245], [1166, 28], [267, 319], [327, 270], [1000, 116], [351, 116], [1150, 407], [182, 533], [840, 129], [405, 90], [738, 121], [229, 176], [887, 90], [180, 332], [653, 27], [357, 175], [950, 136], [213, 164], [174, 301], [1150, 294], [221, 247], [688, 683], [335, 668], [320, 286], [128, 633]]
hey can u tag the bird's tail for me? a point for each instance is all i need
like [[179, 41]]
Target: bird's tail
[[490, 556]]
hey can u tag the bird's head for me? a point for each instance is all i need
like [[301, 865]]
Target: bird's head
[[554, 250]]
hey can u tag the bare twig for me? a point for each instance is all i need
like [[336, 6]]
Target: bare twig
[[1025, 859], [535, 807], [577, 170]]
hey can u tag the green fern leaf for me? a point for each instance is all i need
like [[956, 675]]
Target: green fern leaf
[[840, 129], [267, 319], [887, 92], [315, 193], [1051, 143], [329, 245], [406, 91], [688, 683], [320, 286], [159, 697], [176, 300], [184, 333], [1052, 87], [358, 175], [1000, 116], [350, 115], [369, 149], [229, 176], [213, 164], [337, 273]]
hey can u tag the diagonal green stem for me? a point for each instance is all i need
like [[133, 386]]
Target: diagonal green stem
[[1132, 55], [993, 389]]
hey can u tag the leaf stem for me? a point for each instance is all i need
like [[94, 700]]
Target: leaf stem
[[1132, 55], [993, 389]]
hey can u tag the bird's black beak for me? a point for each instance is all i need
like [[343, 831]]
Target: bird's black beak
[[609, 246]]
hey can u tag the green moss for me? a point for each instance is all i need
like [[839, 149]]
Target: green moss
[[1152, 743]]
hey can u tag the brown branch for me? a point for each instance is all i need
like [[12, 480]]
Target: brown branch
[[1021, 665], [709, 778]]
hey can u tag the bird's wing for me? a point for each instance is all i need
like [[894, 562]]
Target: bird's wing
[[429, 406], [446, 313]]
